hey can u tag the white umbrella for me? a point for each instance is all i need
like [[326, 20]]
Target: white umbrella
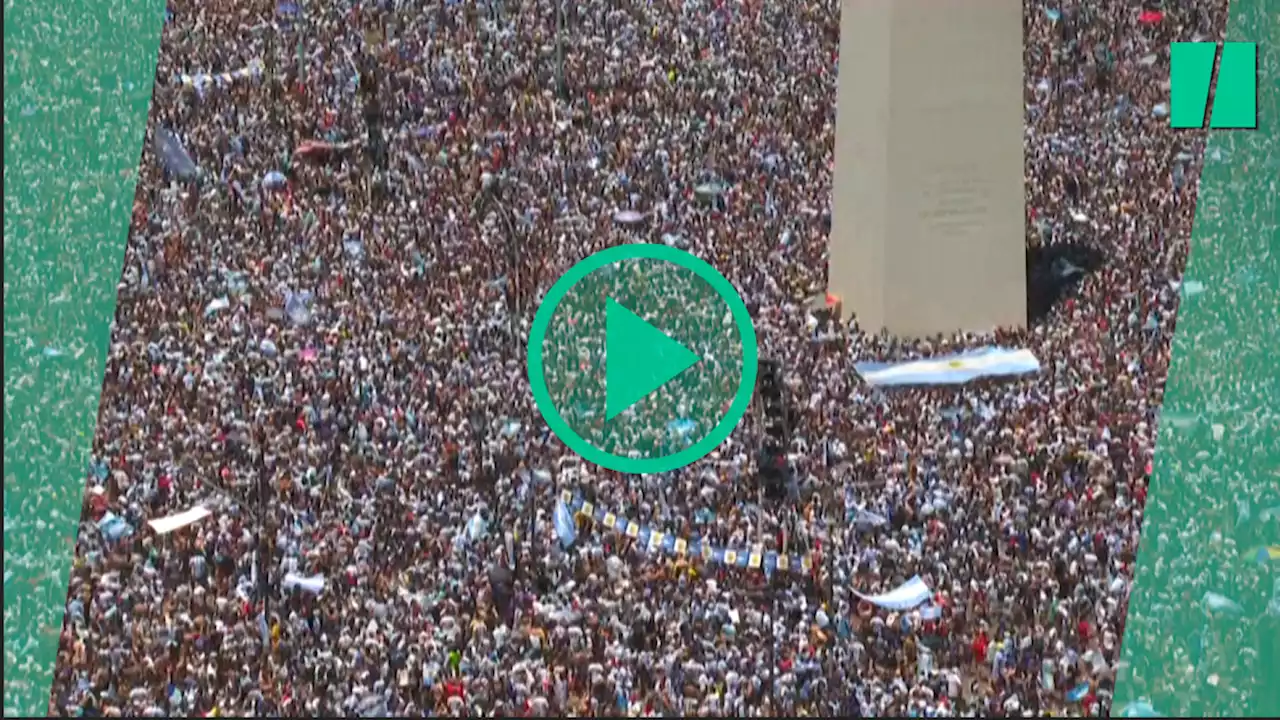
[[628, 217]]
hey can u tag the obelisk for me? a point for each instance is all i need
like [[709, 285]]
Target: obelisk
[[928, 226]]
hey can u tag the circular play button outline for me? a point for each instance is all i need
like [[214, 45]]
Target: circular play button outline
[[542, 324]]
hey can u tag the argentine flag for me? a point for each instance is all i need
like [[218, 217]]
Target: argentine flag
[[1078, 693], [950, 369], [1264, 555], [565, 528], [1217, 603]]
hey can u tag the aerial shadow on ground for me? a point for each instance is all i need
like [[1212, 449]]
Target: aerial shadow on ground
[[1055, 272]]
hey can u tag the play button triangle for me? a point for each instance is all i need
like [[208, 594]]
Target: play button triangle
[[639, 359]]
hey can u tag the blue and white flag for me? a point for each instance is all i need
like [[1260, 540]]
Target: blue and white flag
[[906, 596], [274, 180], [297, 306], [866, 520], [565, 528], [1218, 603], [114, 528], [477, 527], [679, 431], [263, 631], [173, 155], [1078, 693], [681, 427], [950, 369]]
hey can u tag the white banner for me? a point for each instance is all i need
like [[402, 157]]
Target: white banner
[[176, 521], [313, 584]]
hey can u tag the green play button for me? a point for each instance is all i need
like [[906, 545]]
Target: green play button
[[642, 358], [639, 359]]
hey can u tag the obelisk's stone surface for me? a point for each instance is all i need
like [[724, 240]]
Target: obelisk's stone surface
[[928, 207]]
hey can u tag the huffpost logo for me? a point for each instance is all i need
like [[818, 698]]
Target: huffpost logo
[[1235, 100]]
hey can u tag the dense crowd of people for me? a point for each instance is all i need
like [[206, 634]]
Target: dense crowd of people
[[333, 263]]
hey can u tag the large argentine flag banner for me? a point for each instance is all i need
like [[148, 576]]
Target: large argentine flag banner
[[906, 596], [950, 369]]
